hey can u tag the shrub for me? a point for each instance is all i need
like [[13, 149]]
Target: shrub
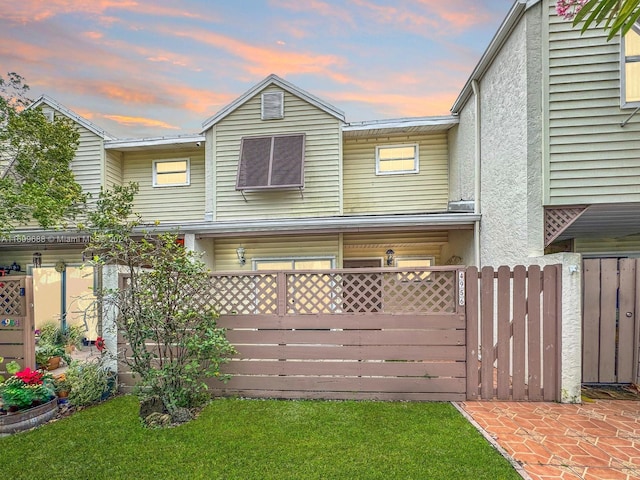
[[89, 382]]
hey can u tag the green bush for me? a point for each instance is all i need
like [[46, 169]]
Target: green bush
[[90, 382]]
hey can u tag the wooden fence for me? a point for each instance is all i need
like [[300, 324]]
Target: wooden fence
[[514, 333], [17, 341], [442, 333]]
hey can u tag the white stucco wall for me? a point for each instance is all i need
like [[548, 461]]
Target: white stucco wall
[[511, 148], [462, 156], [571, 342]]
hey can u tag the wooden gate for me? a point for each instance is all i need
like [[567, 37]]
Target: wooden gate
[[17, 340], [609, 323], [514, 332]]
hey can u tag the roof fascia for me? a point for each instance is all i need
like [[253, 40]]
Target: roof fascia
[[272, 80], [44, 99]]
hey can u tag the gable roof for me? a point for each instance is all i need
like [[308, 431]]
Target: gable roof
[[46, 100], [500, 37], [272, 79]]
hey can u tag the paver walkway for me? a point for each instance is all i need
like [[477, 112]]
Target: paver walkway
[[595, 440]]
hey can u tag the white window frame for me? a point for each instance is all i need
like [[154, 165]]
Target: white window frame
[[623, 70], [169, 160], [416, 159], [49, 115], [292, 260]]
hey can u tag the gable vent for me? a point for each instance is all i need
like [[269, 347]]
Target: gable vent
[[272, 105]]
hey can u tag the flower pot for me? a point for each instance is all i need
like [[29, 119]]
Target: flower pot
[[53, 363], [29, 418]]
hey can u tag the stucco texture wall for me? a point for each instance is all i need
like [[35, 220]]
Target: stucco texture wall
[[510, 150]]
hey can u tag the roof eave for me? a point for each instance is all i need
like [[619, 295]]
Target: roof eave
[[73, 116], [272, 79]]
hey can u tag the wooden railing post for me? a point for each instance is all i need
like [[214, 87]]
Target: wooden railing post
[[281, 288]]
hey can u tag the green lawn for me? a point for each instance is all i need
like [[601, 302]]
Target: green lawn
[[256, 439]]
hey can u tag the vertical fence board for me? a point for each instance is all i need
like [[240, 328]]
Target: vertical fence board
[[504, 332], [533, 333], [471, 302], [608, 314], [626, 322], [590, 320], [519, 332], [636, 321], [29, 328], [549, 330], [486, 337]]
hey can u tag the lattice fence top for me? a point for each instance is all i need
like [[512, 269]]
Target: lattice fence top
[[10, 298], [329, 292], [245, 294]]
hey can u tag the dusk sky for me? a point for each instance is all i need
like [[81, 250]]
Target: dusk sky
[[153, 68]]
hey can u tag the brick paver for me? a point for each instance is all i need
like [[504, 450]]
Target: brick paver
[[595, 440]]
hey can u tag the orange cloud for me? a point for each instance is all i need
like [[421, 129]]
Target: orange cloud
[[400, 105], [140, 122], [28, 11], [263, 60]]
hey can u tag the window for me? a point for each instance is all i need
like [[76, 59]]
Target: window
[[275, 161], [414, 262], [630, 75], [49, 115], [171, 173], [320, 263], [272, 106], [397, 159]]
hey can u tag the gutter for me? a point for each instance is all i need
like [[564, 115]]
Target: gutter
[[477, 193]]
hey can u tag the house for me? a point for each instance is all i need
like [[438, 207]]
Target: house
[[333, 195], [539, 156]]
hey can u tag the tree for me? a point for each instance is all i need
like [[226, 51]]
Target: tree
[[165, 313], [614, 15], [36, 181]]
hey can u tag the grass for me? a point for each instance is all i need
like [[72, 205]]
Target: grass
[[259, 439]]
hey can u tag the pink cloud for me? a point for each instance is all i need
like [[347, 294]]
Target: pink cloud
[[260, 60], [28, 11]]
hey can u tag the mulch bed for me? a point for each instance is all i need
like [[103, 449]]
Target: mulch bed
[[612, 392]]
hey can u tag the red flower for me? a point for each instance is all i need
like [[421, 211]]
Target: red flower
[[100, 344], [30, 377]]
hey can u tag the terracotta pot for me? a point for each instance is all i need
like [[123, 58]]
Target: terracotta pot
[[53, 363]]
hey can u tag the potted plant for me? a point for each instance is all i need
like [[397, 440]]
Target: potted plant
[[72, 338], [62, 387], [25, 389], [48, 356]]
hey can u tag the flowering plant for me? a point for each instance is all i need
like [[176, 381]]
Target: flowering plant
[[25, 388], [568, 9]]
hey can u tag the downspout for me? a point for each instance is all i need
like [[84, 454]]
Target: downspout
[[477, 153]]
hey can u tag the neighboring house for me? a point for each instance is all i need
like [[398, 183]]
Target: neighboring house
[[549, 120]]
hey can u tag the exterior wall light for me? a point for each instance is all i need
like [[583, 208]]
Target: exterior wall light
[[390, 256], [240, 252], [37, 260]]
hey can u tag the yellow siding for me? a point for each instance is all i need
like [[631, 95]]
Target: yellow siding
[[321, 195], [166, 204], [113, 169], [24, 257], [404, 244], [366, 192], [591, 158], [624, 245], [87, 164], [272, 248]]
